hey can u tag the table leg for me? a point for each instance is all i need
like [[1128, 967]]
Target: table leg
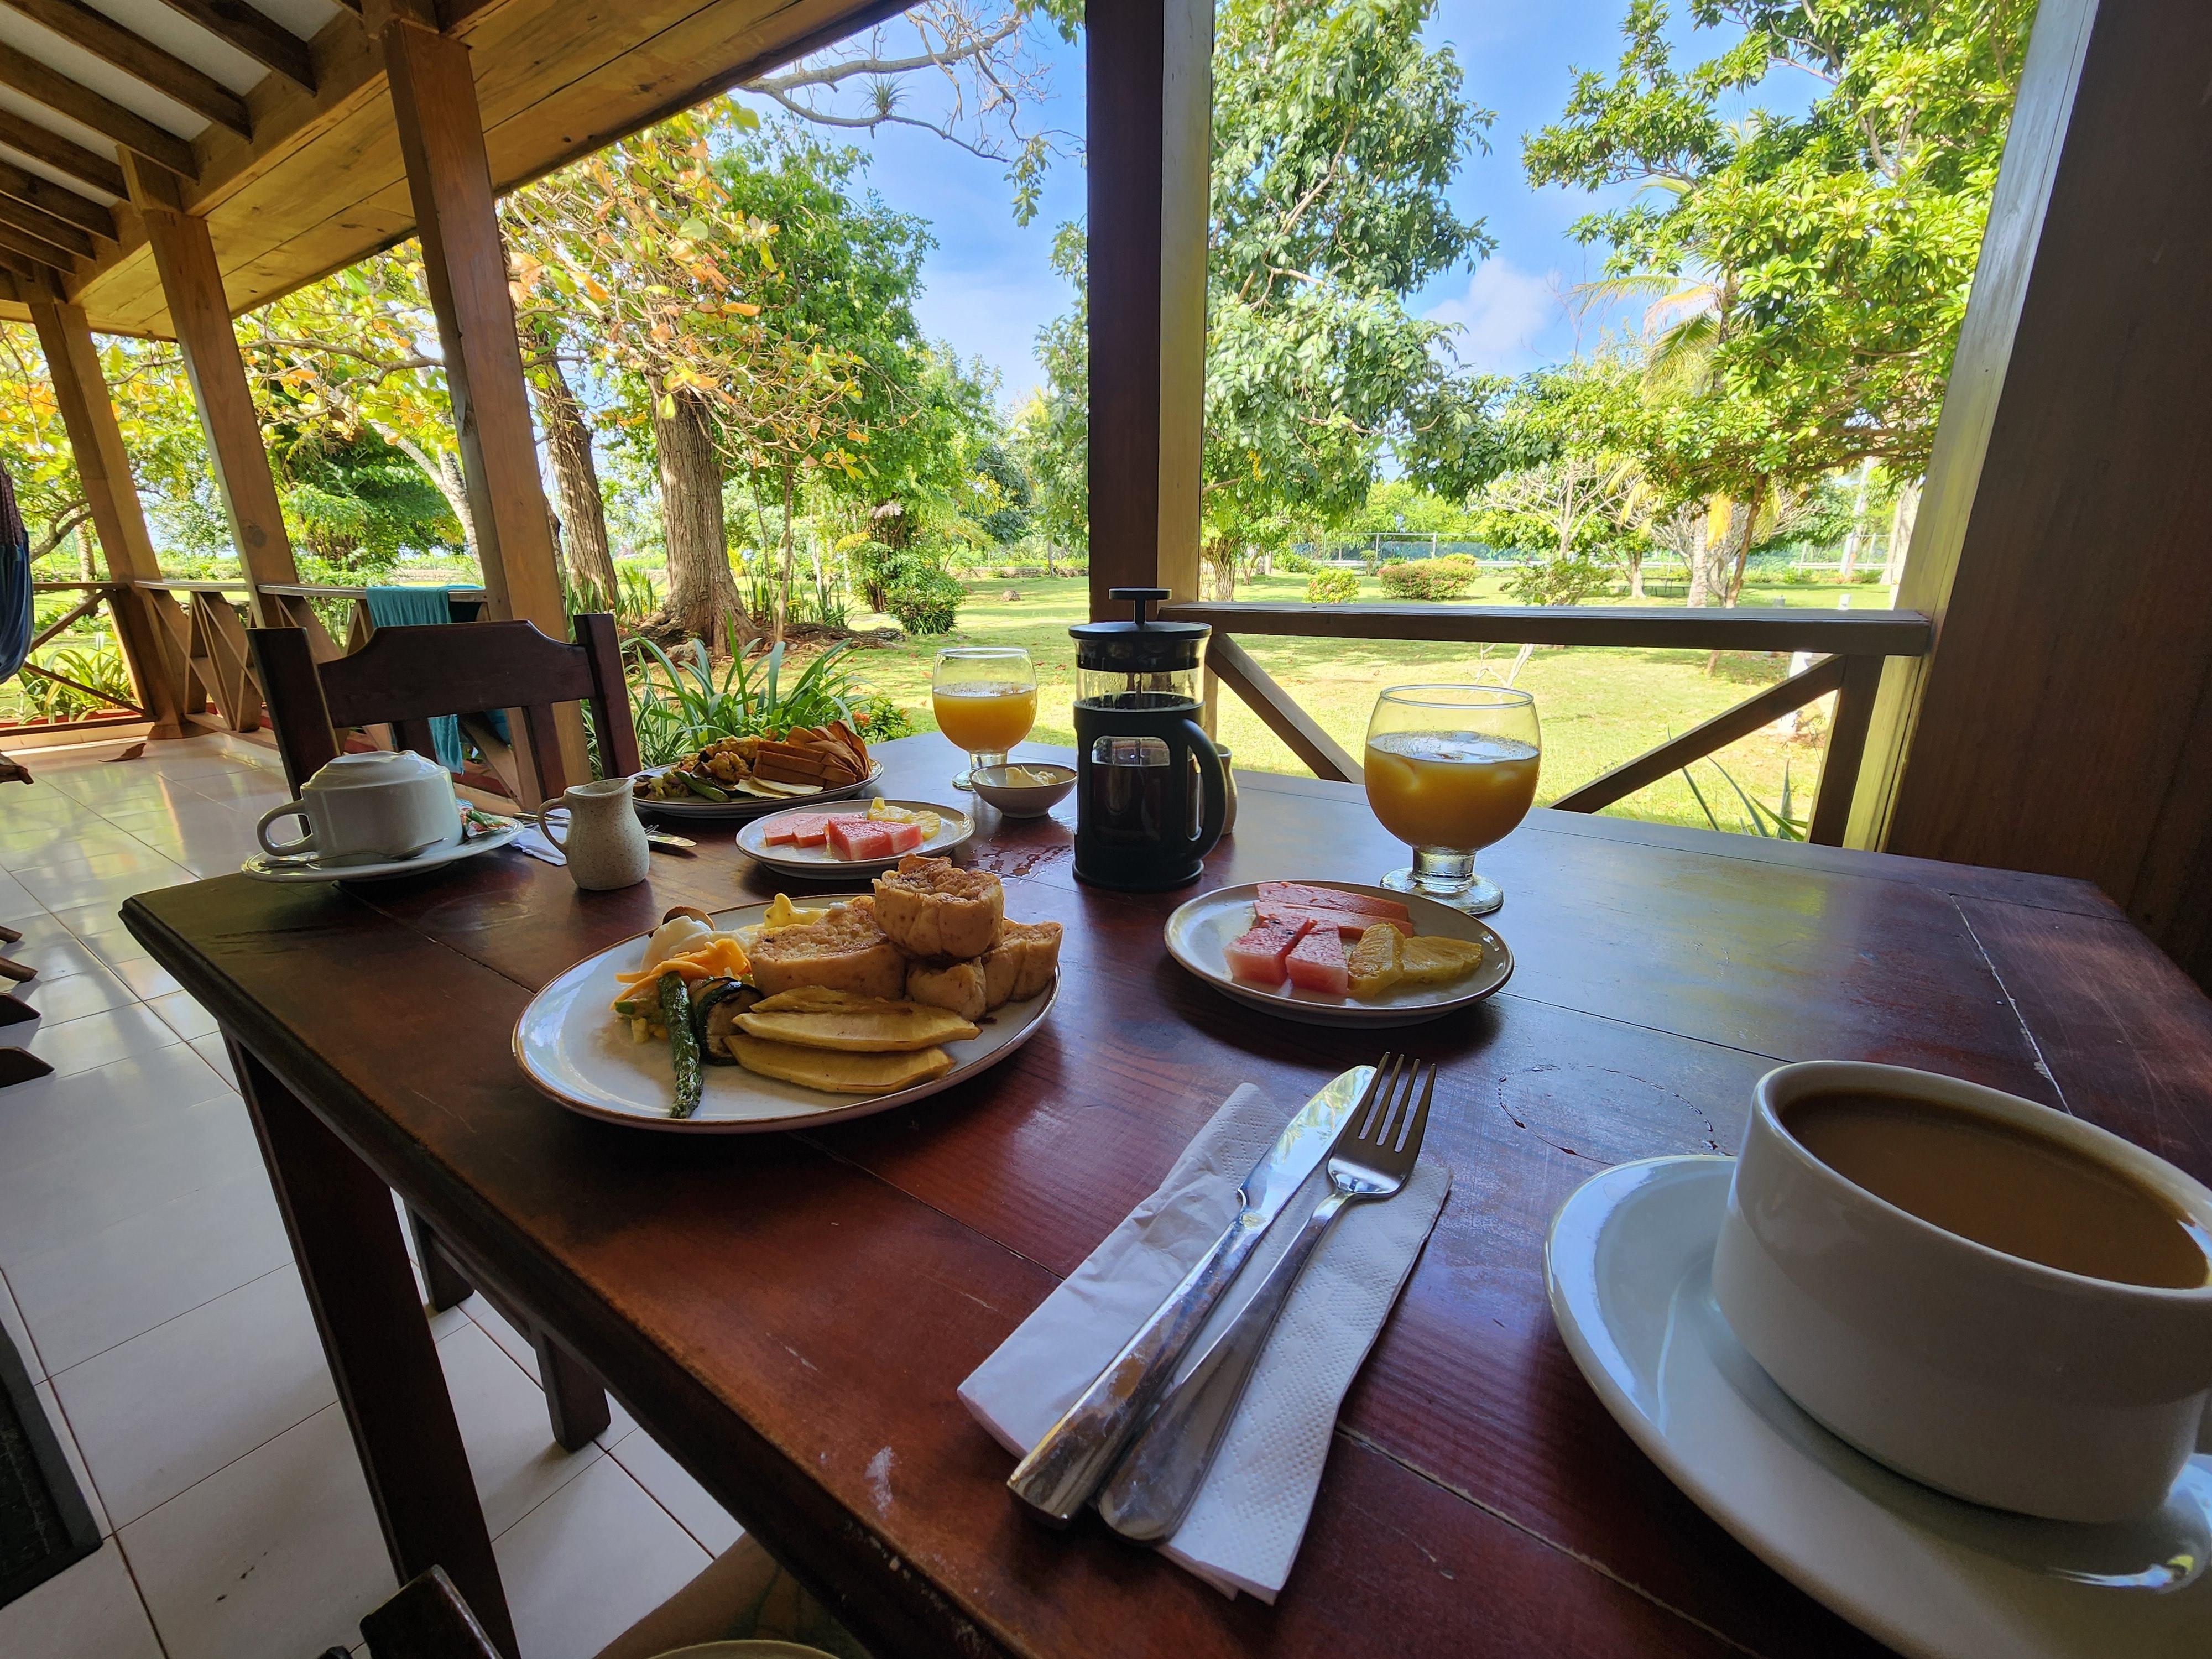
[[345, 1238]]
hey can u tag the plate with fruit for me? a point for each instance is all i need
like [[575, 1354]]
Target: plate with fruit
[[828, 841], [1336, 953]]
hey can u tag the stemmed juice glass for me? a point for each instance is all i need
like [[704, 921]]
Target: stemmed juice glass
[[1451, 769], [985, 697]]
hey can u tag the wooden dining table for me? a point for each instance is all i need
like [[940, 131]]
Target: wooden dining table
[[790, 1315]]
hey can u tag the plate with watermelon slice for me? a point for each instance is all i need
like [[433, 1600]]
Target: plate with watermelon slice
[[1336, 953], [841, 841]]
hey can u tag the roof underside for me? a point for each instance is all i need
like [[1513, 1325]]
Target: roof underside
[[279, 113]]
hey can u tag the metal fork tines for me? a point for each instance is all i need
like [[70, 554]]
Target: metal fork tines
[[1373, 1157]]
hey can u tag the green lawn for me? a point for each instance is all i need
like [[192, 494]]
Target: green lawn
[[1599, 707]]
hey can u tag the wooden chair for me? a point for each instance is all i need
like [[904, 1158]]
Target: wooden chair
[[403, 678]]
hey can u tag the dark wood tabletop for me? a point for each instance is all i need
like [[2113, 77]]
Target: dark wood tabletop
[[790, 1315]]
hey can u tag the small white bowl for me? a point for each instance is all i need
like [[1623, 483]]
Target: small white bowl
[[1024, 800]]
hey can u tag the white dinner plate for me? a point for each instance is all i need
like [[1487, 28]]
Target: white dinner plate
[[571, 1047], [1629, 1268], [954, 828], [304, 867], [1199, 932], [745, 808]]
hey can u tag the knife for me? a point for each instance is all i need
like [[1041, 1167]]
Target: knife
[[1071, 1462]]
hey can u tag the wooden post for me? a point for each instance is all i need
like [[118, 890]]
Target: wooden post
[[1149, 80], [103, 468], [434, 99], [191, 281], [2061, 721]]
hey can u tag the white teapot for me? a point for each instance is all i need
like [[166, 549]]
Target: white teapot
[[369, 808]]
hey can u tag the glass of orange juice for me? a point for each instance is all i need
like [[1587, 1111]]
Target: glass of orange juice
[[1451, 769], [985, 697]]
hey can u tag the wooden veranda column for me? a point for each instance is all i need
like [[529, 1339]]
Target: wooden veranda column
[[151, 647], [191, 281], [2063, 721], [1148, 77], [434, 101]]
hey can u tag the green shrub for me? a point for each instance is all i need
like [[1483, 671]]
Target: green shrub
[[1332, 587], [1433, 580], [925, 601], [1296, 564], [1557, 581], [1866, 578], [875, 569]]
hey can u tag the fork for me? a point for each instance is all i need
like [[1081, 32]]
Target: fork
[[1151, 1490]]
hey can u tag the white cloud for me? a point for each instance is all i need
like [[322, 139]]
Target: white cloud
[[1500, 315]]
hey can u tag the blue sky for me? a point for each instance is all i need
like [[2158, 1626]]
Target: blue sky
[[990, 282]]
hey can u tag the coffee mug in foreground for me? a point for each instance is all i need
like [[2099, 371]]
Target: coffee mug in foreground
[[362, 809], [2075, 1391]]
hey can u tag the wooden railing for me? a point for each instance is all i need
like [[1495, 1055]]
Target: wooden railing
[[97, 595], [1851, 647]]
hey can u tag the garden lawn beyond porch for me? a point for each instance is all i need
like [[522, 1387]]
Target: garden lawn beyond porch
[[1599, 707]]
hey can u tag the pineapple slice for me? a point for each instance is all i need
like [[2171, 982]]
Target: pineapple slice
[[1437, 961], [1376, 963]]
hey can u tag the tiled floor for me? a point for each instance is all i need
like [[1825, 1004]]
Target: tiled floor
[[145, 1277]]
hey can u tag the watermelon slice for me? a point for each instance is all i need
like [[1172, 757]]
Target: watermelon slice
[[1317, 963], [1257, 957], [1303, 897], [858, 838], [1349, 923], [803, 829], [905, 837]]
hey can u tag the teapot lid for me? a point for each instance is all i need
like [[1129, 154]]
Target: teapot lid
[[1142, 645]]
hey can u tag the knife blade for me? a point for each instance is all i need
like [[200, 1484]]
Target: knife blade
[[1071, 1462]]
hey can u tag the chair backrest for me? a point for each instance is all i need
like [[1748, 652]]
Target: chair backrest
[[404, 676]]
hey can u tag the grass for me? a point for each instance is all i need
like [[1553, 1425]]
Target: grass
[[1599, 707]]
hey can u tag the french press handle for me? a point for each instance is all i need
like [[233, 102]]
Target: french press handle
[[1139, 597], [1212, 786]]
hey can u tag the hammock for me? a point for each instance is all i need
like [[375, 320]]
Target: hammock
[[15, 582]]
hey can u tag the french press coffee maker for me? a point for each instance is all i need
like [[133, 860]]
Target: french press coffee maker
[[1150, 793]]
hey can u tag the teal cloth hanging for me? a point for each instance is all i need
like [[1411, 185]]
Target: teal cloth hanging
[[400, 607]]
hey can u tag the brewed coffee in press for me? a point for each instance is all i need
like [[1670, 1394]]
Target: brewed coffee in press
[[1151, 789]]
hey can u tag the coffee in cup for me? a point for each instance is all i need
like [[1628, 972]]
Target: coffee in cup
[[1986, 1294]]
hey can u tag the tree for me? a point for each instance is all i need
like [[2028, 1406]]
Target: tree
[[1813, 269], [1561, 429], [354, 500], [582, 518]]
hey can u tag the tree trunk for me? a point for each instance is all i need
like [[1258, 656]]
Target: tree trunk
[[1853, 542], [443, 469], [1901, 519], [1636, 573], [1702, 543], [785, 574], [702, 593], [575, 479]]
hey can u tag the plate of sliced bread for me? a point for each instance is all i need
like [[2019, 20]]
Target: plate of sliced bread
[[796, 1013]]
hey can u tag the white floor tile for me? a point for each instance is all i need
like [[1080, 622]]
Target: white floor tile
[[19, 1334], [16, 900], [52, 1115], [589, 1562], [210, 1049], [184, 1016], [146, 978], [502, 1412], [90, 1293], [275, 1556], [496, 1327], [675, 1491], [99, 1039], [92, 992], [58, 958], [64, 1431], [90, 1612], [227, 1378], [121, 1159]]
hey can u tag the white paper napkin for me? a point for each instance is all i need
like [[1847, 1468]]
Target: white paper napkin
[[533, 841], [1244, 1530]]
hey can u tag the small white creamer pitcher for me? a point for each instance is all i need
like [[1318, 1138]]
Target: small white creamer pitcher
[[605, 844]]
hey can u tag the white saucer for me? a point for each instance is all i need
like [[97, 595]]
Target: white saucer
[[1628, 1265], [263, 866], [954, 827]]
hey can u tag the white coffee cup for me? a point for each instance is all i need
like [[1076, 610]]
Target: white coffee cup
[[1980, 1373], [365, 808]]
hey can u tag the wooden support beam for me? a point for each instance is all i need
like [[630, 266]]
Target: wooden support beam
[[139, 58], [50, 197], [1148, 77], [65, 237], [200, 314], [2064, 722], [434, 98], [103, 472], [1279, 712], [63, 154], [1847, 738], [85, 107], [38, 250], [1838, 633], [240, 25], [1724, 728]]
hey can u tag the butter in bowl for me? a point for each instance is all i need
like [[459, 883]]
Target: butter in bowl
[[1023, 789]]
